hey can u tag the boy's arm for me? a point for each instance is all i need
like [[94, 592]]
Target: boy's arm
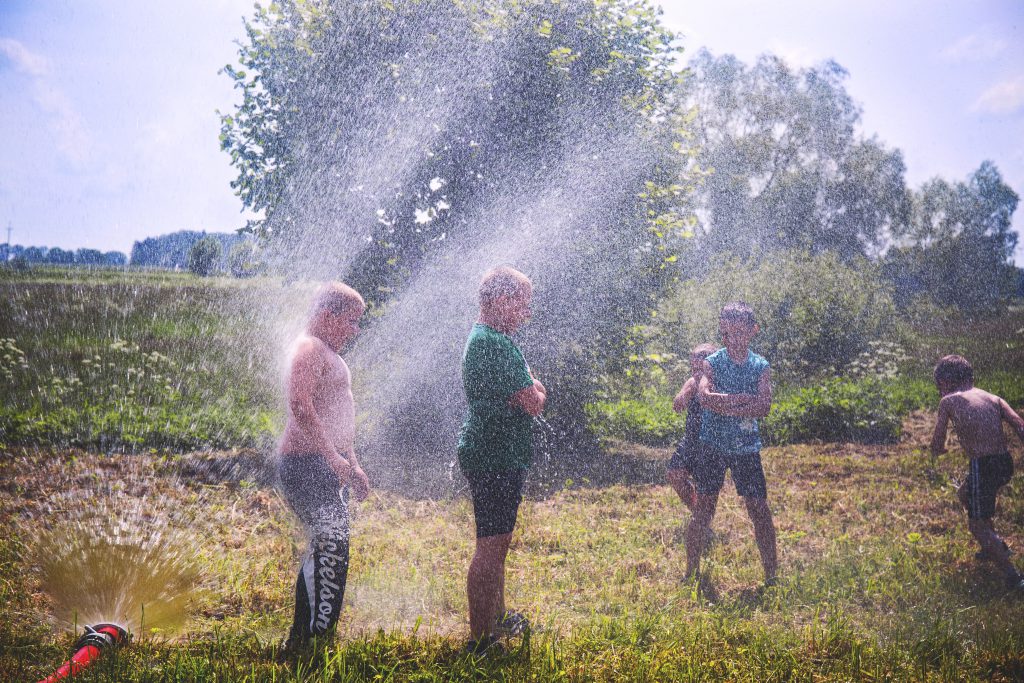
[[1011, 416], [685, 395], [358, 480], [938, 445], [737, 405], [531, 399], [302, 382]]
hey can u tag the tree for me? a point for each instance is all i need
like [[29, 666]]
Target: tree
[[89, 257], [958, 251], [405, 146], [115, 258], [204, 256], [34, 254], [60, 256], [243, 259], [785, 167]]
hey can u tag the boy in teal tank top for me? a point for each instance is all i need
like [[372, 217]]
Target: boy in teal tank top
[[735, 391]]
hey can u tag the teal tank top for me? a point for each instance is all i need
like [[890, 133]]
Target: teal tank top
[[733, 434]]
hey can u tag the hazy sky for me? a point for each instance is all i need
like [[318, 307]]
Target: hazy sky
[[109, 129]]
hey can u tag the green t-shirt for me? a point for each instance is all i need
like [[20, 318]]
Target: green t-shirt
[[495, 436]]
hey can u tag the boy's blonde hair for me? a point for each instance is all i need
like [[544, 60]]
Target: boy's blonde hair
[[336, 297], [501, 281]]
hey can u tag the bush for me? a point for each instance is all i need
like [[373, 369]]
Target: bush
[[816, 312], [648, 419], [861, 411]]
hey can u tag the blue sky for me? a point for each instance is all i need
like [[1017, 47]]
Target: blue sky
[[109, 130]]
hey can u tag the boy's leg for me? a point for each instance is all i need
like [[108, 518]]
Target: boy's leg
[[679, 480], [320, 587], [698, 529], [708, 470], [748, 475], [993, 547], [496, 500], [315, 495], [483, 584], [764, 534], [986, 476]]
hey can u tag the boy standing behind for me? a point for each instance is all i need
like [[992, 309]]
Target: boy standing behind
[[735, 390], [681, 465], [317, 462], [495, 445], [977, 418]]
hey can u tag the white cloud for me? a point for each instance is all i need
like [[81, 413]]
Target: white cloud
[[1006, 97], [976, 47], [23, 59], [69, 132]]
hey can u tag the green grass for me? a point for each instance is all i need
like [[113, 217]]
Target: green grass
[[122, 360], [879, 580]]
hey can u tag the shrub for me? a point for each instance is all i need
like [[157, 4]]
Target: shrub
[[862, 411], [648, 419], [816, 312]]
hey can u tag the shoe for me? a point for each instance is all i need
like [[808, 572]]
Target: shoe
[[982, 556], [512, 623], [485, 647]]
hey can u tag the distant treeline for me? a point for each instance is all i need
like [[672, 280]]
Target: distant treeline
[[18, 254], [166, 251], [172, 251]]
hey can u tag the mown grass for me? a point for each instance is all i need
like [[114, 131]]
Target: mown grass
[[879, 580]]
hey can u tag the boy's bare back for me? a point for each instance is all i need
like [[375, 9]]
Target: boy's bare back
[[320, 402], [977, 418]]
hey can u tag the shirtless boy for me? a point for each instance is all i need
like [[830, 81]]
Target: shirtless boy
[[977, 418], [495, 447], [317, 464]]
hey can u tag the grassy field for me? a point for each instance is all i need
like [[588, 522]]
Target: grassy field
[[879, 579]]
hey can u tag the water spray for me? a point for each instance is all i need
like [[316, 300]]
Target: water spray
[[89, 648]]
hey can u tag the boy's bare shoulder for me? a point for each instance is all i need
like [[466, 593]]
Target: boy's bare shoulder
[[308, 349]]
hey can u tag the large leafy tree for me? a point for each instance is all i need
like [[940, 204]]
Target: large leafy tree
[[785, 166], [961, 241], [407, 145]]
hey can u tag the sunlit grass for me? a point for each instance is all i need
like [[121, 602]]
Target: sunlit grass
[[878, 573]]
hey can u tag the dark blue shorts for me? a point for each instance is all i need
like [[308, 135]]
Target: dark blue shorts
[[709, 468], [685, 456], [496, 499], [986, 476]]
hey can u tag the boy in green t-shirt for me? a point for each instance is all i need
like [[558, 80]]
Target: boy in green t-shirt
[[495, 445]]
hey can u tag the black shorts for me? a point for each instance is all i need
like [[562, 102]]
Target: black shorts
[[496, 499], [684, 457], [986, 476], [708, 471]]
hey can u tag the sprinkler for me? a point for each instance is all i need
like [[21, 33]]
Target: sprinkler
[[88, 649]]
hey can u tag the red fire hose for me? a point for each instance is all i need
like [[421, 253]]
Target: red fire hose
[[89, 648]]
